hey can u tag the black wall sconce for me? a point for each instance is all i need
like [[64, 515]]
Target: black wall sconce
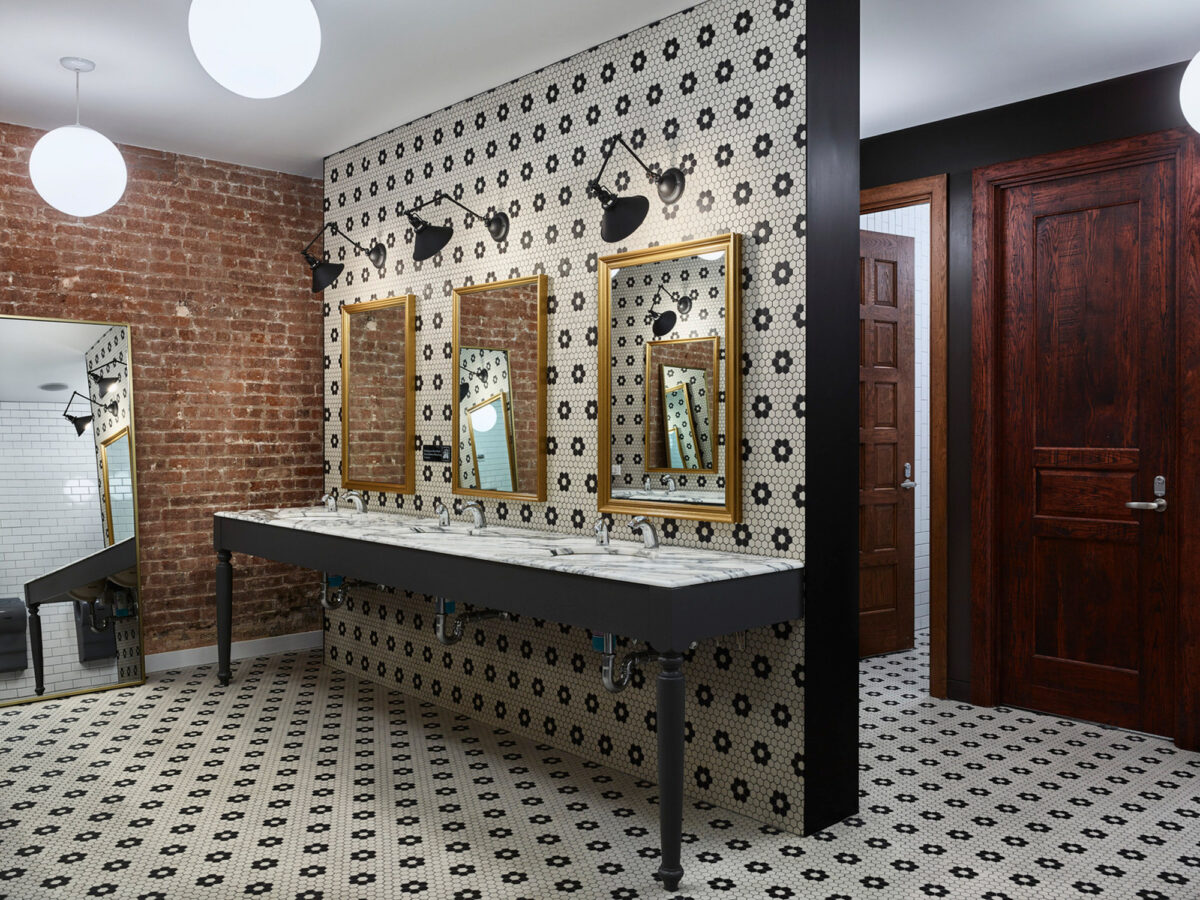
[[82, 423], [105, 382], [464, 387], [432, 238], [325, 273], [623, 215], [663, 322]]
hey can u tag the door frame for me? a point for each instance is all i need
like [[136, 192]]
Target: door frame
[[988, 181], [931, 190]]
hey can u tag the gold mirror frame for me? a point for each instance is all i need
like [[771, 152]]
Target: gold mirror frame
[[714, 391], [109, 536], [408, 301], [539, 494], [730, 446], [137, 538]]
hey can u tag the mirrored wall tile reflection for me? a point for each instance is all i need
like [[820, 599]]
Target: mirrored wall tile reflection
[[67, 509]]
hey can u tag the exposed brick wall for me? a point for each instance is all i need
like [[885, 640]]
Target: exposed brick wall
[[202, 260], [506, 318], [694, 354], [378, 443]]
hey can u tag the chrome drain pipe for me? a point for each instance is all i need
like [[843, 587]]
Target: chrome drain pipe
[[445, 609], [616, 676]]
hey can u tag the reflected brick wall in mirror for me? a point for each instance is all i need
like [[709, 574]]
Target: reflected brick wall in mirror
[[718, 90], [377, 440]]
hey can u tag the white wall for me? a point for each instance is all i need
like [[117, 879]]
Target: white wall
[[913, 221], [48, 517]]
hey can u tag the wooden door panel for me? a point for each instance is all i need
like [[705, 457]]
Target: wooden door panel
[[1084, 307], [886, 399]]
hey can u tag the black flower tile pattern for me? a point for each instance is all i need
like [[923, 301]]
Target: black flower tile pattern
[[717, 90], [299, 781]]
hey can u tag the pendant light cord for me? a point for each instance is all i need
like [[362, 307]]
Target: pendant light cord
[[76, 96]]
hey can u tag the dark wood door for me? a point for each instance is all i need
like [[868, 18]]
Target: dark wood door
[[885, 404], [1085, 316]]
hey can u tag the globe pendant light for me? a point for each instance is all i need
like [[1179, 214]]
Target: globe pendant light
[[1189, 93], [256, 48], [76, 170]]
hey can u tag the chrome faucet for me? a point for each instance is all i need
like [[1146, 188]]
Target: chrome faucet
[[668, 481], [476, 508], [646, 483], [601, 530], [330, 501], [649, 535], [443, 514], [356, 498]]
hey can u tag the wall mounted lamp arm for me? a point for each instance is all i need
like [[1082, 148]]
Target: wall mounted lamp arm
[[82, 423], [325, 273]]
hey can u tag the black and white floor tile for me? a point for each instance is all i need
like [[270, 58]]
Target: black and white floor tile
[[301, 782]]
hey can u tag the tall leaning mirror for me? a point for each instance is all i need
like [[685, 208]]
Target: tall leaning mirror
[[670, 398], [378, 443], [499, 411], [69, 604]]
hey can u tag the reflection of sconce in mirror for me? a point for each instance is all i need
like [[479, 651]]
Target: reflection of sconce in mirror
[[82, 423], [432, 238], [324, 273], [623, 215], [464, 387], [664, 322], [105, 382]]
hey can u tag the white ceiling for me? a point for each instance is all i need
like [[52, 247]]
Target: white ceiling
[[924, 60], [384, 63], [34, 353]]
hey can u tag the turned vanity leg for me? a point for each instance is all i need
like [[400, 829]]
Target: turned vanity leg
[[35, 644], [670, 767], [224, 614]]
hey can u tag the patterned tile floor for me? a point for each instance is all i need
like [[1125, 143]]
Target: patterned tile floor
[[298, 782]]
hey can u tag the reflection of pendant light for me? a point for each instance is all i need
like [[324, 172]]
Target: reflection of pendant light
[[623, 215], [484, 418], [76, 170], [1189, 93], [105, 383], [82, 423], [430, 239], [664, 322], [325, 273], [256, 48]]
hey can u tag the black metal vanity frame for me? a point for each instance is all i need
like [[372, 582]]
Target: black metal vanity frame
[[669, 619]]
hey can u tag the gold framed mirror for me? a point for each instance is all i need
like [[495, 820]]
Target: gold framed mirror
[[670, 426], [72, 598], [499, 410], [378, 406], [116, 471]]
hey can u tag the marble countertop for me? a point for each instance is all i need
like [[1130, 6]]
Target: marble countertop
[[626, 561], [682, 495]]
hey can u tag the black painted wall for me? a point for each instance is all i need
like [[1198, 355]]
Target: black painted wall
[[1121, 107], [831, 388]]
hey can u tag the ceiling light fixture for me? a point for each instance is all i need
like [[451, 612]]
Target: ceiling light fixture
[[76, 170], [1189, 93], [256, 48], [624, 215], [105, 383], [325, 273], [82, 423], [429, 239]]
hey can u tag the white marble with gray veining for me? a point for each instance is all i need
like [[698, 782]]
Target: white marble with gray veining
[[681, 495], [620, 560]]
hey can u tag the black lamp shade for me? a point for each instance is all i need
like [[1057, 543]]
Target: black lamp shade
[[664, 323], [622, 217], [377, 255], [670, 185], [497, 226], [430, 239], [81, 423], [106, 383], [463, 390], [324, 273]]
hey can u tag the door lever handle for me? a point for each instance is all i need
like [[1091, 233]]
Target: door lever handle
[[908, 484], [1159, 505]]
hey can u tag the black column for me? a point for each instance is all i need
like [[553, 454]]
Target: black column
[[670, 767], [831, 420], [35, 644], [224, 613]]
